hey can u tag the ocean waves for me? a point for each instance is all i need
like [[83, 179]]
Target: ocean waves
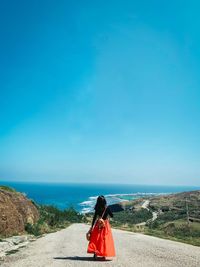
[[88, 205]]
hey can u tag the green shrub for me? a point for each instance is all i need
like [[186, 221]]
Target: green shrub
[[7, 188], [182, 230], [51, 218], [168, 216], [33, 229], [131, 217]]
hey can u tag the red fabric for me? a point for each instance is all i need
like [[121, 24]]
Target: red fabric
[[101, 241]]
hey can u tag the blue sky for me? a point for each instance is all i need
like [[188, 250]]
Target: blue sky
[[100, 91]]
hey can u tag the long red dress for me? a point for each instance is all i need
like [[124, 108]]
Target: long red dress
[[101, 241]]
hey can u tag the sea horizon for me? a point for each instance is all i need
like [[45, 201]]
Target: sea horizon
[[96, 183]]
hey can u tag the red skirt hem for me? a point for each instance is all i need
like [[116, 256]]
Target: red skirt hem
[[101, 242]]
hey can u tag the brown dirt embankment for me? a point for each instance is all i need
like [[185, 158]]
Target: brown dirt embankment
[[15, 212]]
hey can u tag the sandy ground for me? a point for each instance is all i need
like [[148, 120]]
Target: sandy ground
[[68, 248]]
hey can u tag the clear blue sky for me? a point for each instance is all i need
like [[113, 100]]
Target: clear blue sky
[[100, 91]]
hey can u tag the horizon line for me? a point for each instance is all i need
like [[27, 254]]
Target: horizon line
[[97, 183]]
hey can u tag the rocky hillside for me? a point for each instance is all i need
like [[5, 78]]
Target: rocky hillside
[[178, 203], [15, 212]]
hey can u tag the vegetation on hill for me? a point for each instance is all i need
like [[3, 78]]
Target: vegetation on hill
[[177, 217], [52, 219], [130, 217], [7, 188]]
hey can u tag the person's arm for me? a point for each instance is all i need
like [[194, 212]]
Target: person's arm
[[93, 221], [94, 218]]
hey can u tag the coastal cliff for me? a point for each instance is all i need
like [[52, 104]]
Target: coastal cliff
[[16, 211]]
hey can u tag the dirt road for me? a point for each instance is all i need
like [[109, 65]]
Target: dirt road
[[68, 248]]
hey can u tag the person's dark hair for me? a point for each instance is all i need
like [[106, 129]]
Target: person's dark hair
[[100, 204]]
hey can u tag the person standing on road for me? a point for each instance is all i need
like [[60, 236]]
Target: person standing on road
[[101, 241]]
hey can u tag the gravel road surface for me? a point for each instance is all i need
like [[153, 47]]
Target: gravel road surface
[[68, 248]]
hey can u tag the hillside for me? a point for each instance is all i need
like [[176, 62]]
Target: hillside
[[174, 216], [15, 212], [178, 203]]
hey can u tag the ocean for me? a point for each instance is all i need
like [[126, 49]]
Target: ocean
[[83, 196]]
